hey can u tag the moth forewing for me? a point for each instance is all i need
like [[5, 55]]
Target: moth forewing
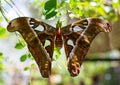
[[78, 53], [35, 46]]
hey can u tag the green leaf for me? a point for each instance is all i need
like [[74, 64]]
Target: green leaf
[[2, 31], [50, 4], [50, 15], [23, 57], [29, 55], [26, 68], [1, 56], [50, 7], [1, 66], [57, 52], [33, 65], [59, 23], [19, 45]]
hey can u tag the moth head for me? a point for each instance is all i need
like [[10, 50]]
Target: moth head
[[99, 24]]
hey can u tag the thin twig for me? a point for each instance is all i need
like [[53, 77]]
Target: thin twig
[[99, 59], [16, 7], [3, 14], [12, 7]]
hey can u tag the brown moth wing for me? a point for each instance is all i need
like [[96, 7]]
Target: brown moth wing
[[69, 34], [78, 53], [47, 34], [35, 46]]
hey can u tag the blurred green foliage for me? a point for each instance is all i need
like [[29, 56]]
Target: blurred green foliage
[[57, 53], [1, 61], [1, 67], [79, 8], [2, 31]]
